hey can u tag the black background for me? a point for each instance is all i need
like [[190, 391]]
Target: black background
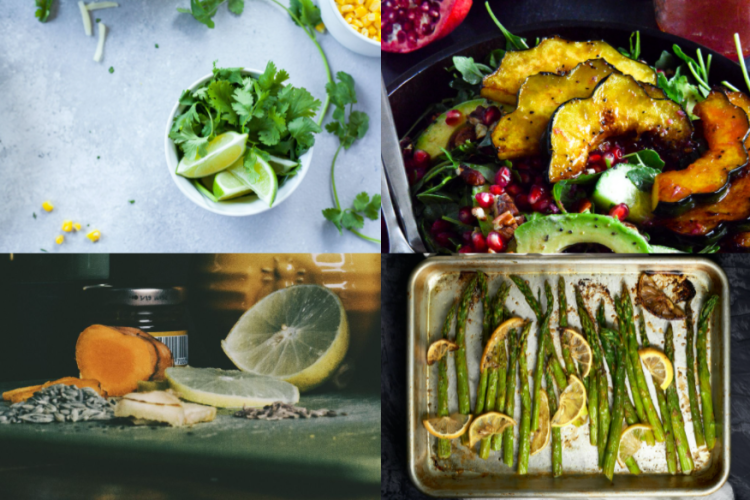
[[396, 269]]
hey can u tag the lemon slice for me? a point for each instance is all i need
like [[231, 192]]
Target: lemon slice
[[489, 356], [229, 388], [222, 151], [541, 437], [451, 427], [572, 403], [580, 350], [487, 425], [630, 441], [298, 334], [439, 349], [658, 365], [230, 183]]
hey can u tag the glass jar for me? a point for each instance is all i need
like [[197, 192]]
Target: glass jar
[[160, 312]]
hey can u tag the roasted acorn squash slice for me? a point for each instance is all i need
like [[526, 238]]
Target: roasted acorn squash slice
[[519, 133], [555, 55], [619, 105], [724, 128], [706, 220]]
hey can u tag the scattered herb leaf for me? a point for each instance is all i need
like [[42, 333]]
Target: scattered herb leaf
[[43, 8], [111, 69]]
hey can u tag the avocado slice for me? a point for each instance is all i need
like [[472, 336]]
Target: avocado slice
[[614, 187], [438, 133], [555, 233]]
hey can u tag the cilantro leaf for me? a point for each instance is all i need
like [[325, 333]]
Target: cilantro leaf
[[306, 11], [187, 118], [243, 105], [192, 145], [342, 93], [271, 79], [372, 211], [220, 95], [302, 129], [236, 6], [352, 220], [43, 8], [301, 102], [203, 10], [233, 75], [361, 201], [334, 215]]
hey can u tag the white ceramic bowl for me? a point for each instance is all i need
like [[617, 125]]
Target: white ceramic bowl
[[345, 34], [247, 205]]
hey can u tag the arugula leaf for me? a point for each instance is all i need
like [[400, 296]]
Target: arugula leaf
[[43, 8], [679, 89], [665, 61], [494, 58], [566, 192], [643, 178], [472, 72], [192, 145], [306, 11], [646, 158], [512, 41], [698, 68]]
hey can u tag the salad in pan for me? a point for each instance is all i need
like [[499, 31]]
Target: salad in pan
[[564, 145]]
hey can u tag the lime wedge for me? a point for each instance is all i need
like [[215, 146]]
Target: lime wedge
[[231, 183], [229, 388], [298, 334], [222, 151], [281, 166]]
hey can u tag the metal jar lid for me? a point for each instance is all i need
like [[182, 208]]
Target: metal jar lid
[[137, 297]]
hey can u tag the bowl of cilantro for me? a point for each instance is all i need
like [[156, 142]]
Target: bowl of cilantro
[[240, 141]]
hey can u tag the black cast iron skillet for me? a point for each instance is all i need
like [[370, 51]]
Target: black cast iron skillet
[[426, 83]]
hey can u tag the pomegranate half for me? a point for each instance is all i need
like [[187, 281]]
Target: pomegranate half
[[408, 25]]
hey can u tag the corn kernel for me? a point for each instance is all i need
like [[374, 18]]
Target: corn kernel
[[349, 19], [357, 23], [375, 6], [94, 235], [346, 8], [77, 226], [60, 239], [372, 31], [47, 206], [67, 226], [360, 12], [365, 32], [370, 17]]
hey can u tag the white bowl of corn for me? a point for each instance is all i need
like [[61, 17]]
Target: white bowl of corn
[[355, 24]]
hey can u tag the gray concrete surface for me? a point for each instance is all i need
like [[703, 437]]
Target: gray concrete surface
[[90, 141]]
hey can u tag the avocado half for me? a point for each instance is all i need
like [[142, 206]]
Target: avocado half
[[555, 233]]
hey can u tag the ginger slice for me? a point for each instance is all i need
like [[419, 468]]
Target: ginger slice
[[165, 359]]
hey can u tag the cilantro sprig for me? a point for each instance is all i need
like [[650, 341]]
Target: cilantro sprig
[[43, 8], [277, 117], [348, 130]]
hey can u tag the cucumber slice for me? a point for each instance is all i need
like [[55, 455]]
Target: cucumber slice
[[614, 187]]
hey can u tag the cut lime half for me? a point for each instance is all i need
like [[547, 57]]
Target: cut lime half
[[229, 388], [231, 183], [222, 151], [298, 334]]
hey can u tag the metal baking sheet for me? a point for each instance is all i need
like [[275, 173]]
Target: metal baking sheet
[[433, 287]]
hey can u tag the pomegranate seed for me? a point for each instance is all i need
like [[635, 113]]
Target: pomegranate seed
[[522, 166], [536, 193], [466, 249], [536, 162], [595, 158], [502, 177], [541, 205], [495, 242], [444, 239], [617, 152], [452, 117], [466, 237], [491, 115], [513, 189], [421, 158], [465, 216], [480, 244], [484, 200], [538, 179], [611, 158], [440, 226], [525, 178], [605, 146], [497, 190], [522, 202], [620, 211], [584, 205]]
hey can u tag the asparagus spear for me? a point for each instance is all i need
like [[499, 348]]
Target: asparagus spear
[[673, 402], [615, 428], [486, 324], [462, 372], [500, 315], [663, 408], [510, 399], [637, 402], [695, 409], [557, 465], [704, 375], [609, 341], [444, 445], [484, 446], [557, 371], [642, 387], [570, 366], [524, 436], [594, 380], [543, 334]]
